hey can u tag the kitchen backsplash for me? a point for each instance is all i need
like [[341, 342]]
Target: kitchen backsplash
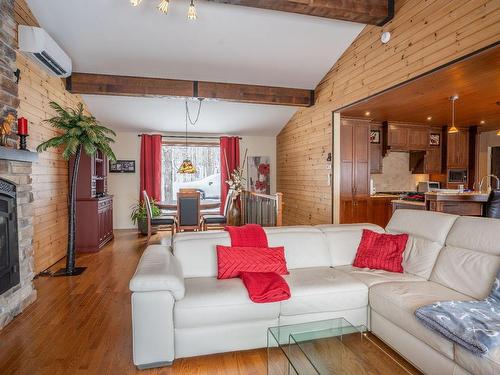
[[396, 175]]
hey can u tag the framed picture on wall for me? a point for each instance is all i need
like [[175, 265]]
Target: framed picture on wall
[[435, 139], [375, 136], [122, 166], [259, 174]]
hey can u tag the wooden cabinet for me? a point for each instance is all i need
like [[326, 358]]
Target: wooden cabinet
[[432, 162], [406, 136], [355, 172], [94, 223], [94, 208], [457, 152], [418, 138], [380, 210], [397, 137], [376, 151]]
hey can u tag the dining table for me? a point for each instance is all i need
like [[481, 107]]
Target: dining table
[[205, 204]]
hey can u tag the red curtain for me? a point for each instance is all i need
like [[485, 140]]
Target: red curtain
[[230, 151], [151, 166]]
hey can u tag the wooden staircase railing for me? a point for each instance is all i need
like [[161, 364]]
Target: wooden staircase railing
[[263, 209]]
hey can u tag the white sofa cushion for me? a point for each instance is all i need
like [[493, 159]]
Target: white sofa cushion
[[420, 256], [322, 289], [373, 277], [487, 365], [471, 258], [210, 301], [305, 246], [397, 302], [431, 225], [158, 270], [427, 234], [343, 240]]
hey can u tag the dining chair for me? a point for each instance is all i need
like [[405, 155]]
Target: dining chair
[[188, 210], [169, 221], [217, 220], [492, 207]]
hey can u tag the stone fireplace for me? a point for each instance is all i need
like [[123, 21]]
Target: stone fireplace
[[16, 234]]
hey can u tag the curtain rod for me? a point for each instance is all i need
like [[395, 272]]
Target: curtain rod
[[189, 137]]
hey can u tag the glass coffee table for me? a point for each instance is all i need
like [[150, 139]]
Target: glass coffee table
[[330, 347]]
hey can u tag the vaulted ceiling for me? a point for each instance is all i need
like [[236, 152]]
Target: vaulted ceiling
[[225, 44]]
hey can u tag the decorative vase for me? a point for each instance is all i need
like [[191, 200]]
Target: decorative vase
[[234, 213]]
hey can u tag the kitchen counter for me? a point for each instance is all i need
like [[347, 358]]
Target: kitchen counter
[[409, 203], [468, 204]]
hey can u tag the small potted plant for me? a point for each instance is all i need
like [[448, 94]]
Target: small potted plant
[[139, 216]]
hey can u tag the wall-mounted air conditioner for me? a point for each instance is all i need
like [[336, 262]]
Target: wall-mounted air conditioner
[[37, 44]]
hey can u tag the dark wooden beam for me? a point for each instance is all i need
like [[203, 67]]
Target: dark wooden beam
[[256, 94], [372, 12], [102, 84]]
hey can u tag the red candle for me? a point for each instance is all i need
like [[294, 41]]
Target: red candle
[[22, 126]]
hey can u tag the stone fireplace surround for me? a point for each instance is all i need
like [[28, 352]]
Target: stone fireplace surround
[[13, 301]]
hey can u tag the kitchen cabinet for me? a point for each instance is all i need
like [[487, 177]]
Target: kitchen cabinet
[[376, 151], [457, 153], [418, 138], [354, 170], [406, 136]]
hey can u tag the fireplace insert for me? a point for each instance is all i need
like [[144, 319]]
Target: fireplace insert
[[9, 247]]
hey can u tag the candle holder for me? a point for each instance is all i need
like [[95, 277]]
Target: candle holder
[[22, 142]]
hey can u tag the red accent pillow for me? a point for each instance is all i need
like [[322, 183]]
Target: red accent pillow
[[231, 261], [381, 251]]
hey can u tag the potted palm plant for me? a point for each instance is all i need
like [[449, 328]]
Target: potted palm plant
[[139, 216], [78, 133]]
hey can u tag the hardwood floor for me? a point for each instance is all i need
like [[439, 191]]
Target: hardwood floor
[[81, 325]]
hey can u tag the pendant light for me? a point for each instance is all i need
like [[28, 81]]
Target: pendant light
[[163, 6], [192, 11], [453, 129], [187, 166]]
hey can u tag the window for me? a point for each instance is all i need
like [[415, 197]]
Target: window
[[206, 159]]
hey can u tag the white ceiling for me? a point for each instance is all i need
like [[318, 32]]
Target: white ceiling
[[168, 115], [226, 44]]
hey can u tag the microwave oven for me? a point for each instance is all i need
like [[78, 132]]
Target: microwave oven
[[458, 176], [426, 186]]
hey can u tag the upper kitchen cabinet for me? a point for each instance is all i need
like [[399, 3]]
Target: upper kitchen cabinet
[[406, 137], [457, 146]]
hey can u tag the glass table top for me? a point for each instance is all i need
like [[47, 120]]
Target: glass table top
[[332, 346]]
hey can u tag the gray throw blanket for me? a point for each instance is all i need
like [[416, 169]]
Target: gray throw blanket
[[475, 325]]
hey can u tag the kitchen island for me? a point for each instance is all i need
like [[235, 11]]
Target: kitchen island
[[466, 204]]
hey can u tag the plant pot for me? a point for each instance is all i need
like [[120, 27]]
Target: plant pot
[[142, 227], [234, 213]]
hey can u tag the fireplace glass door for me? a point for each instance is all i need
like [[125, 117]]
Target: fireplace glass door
[[9, 248]]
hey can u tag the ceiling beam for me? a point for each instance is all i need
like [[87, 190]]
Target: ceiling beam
[[372, 12], [103, 84]]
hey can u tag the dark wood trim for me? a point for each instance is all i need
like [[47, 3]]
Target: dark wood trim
[[104, 84], [465, 57], [372, 12], [473, 132]]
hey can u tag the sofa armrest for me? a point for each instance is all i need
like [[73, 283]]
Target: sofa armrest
[[158, 270]]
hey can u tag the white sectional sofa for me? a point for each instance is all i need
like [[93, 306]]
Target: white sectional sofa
[[180, 309]]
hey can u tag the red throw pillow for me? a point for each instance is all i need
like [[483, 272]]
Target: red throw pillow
[[233, 260], [381, 251]]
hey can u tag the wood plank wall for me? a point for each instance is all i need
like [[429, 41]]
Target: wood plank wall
[[425, 35], [50, 173]]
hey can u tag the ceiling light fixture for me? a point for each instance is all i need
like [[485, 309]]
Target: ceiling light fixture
[[482, 122], [192, 11], [135, 2], [163, 6], [453, 129], [367, 113], [429, 118], [498, 133], [187, 166]]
